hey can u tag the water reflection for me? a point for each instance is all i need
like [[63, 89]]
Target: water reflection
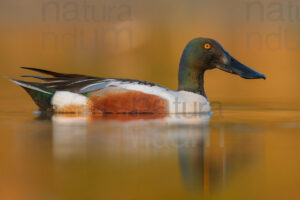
[[215, 160], [239, 154], [71, 134], [207, 158]]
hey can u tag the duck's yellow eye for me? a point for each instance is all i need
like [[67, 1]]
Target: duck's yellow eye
[[207, 46]]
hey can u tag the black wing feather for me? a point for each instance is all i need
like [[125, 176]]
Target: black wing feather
[[62, 81], [72, 82], [55, 74]]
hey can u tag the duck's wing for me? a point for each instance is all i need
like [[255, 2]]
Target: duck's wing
[[62, 81], [79, 83], [43, 92]]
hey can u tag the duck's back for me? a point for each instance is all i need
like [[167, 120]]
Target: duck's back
[[80, 93]]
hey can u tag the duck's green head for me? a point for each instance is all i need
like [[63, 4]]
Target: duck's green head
[[202, 54]]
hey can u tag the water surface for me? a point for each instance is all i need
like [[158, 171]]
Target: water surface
[[234, 154]]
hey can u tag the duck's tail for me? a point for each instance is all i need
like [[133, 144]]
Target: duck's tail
[[40, 94]]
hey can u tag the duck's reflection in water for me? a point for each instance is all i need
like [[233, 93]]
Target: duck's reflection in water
[[208, 156], [127, 133], [69, 135], [219, 157]]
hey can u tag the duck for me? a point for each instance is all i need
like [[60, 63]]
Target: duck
[[76, 93]]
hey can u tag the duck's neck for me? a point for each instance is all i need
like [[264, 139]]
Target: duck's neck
[[190, 76]]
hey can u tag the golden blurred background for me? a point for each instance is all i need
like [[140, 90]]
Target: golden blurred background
[[144, 40], [240, 154]]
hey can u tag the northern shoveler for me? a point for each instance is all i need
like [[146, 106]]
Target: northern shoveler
[[69, 93]]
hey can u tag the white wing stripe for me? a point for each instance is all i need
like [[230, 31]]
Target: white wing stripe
[[96, 86], [29, 86], [80, 81]]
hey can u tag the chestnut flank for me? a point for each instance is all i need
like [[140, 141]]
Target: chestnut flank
[[128, 102]]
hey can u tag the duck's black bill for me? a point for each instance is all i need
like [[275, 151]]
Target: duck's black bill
[[231, 65]]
